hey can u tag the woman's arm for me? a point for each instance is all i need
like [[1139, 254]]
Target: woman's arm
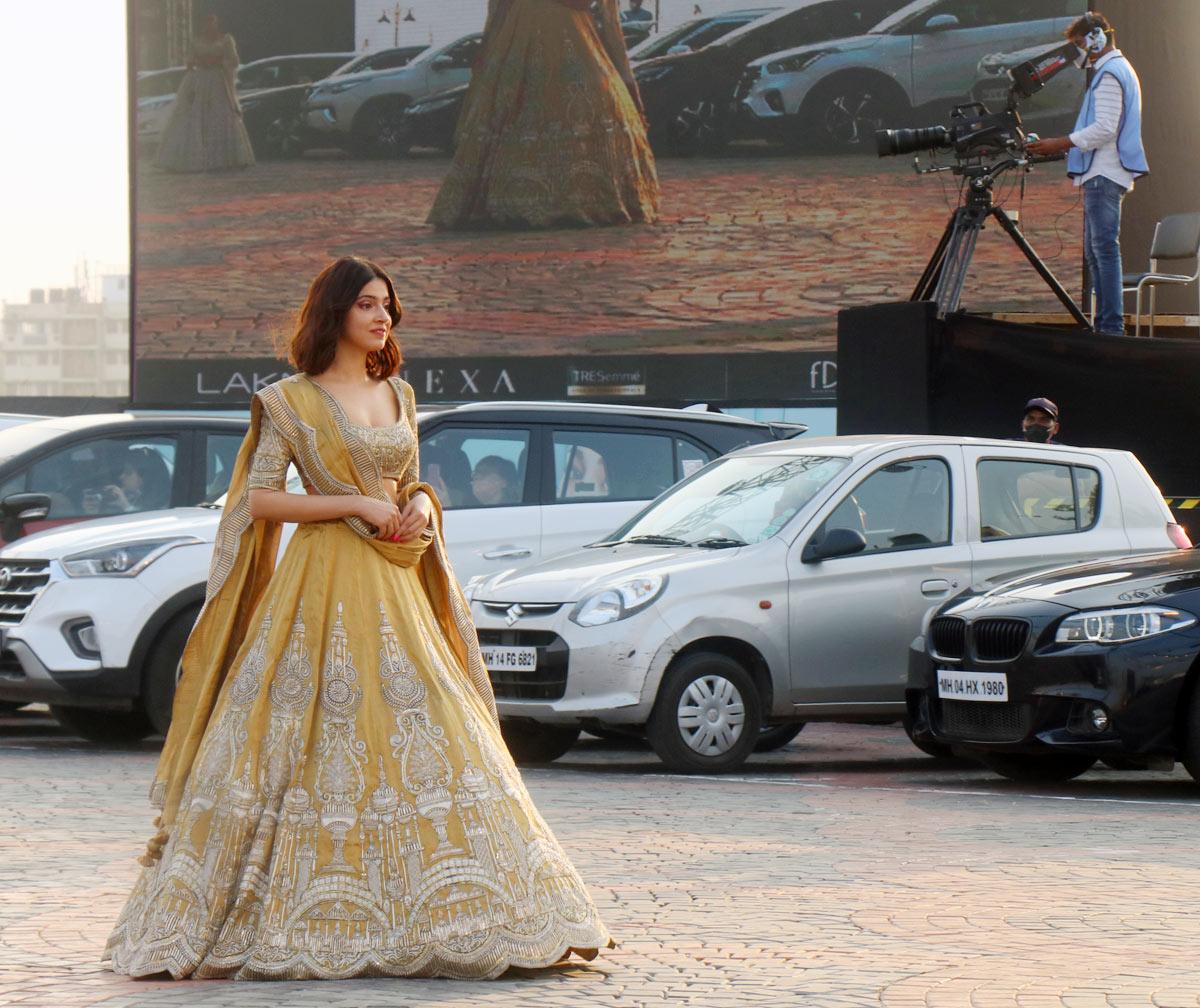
[[280, 506]]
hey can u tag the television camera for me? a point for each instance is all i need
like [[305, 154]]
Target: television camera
[[985, 144]]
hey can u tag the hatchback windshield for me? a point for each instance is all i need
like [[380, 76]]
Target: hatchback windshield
[[734, 502]]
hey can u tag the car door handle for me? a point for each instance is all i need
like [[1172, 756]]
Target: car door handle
[[508, 553], [937, 586]]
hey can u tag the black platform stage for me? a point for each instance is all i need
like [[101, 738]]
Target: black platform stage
[[902, 371]]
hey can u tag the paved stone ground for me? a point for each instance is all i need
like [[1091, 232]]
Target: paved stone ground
[[846, 870], [753, 252]]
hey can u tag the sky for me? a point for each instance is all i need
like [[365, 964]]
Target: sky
[[64, 193]]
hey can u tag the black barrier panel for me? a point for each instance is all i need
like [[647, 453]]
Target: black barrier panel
[[802, 378], [902, 371]]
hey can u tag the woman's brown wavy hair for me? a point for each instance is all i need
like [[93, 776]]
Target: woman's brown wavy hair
[[323, 318]]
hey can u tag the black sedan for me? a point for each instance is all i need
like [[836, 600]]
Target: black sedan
[[1043, 676]]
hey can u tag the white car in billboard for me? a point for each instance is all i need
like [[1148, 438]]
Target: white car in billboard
[[364, 112], [917, 63]]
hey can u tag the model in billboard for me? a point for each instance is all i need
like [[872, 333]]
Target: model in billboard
[[553, 132], [205, 131], [336, 796]]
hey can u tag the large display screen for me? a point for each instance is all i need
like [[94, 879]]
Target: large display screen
[[776, 210]]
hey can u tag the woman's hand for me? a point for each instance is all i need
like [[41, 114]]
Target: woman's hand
[[383, 515], [414, 519]]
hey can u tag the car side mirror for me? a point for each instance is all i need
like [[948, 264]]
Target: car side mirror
[[444, 63], [941, 22], [837, 542], [17, 509]]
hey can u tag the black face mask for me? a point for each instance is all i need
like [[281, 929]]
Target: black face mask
[[1037, 433]]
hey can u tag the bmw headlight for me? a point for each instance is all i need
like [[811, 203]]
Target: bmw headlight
[[122, 559], [794, 64], [619, 601], [1117, 626]]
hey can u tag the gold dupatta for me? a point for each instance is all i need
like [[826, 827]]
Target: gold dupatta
[[331, 461]]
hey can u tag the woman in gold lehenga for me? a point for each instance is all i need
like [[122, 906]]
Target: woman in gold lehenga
[[336, 799], [552, 133]]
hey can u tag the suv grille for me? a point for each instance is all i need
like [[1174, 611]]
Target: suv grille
[[948, 635], [999, 639], [20, 583], [984, 722], [547, 682]]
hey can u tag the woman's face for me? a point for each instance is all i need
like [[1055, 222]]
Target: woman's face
[[130, 480], [368, 322]]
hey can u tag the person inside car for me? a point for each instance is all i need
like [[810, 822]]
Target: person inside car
[[143, 483], [494, 481]]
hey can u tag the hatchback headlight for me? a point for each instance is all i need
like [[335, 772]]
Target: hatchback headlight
[[1116, 626], [619, 601], [123, 559]]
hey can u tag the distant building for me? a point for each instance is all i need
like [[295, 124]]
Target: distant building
[[64, 344]]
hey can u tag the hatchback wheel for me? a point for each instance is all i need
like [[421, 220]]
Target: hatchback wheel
[[707, 717], [532, 742], [163, 667], [103, 726], [1052, 768], [773, 737]]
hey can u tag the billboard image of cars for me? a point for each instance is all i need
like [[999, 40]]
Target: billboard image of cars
[[775, 210]]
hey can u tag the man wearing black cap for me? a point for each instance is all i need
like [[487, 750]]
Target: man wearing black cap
[[1040, 423]]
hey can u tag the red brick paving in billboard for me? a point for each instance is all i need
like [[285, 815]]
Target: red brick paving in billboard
[[751, 253]]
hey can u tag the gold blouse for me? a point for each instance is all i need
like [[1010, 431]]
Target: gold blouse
[[393, 446]]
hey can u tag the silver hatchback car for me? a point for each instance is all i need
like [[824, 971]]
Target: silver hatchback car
[[784, 583]]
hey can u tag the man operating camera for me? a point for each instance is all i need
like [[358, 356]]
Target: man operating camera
[[1104, 156]]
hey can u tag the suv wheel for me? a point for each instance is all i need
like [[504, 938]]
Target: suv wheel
[[283, 136], [707, 717], [842, 114], [773, 737], [698, 128], [532, 742], [1051, 768], [379, 130], [104, 726], [162, 668]]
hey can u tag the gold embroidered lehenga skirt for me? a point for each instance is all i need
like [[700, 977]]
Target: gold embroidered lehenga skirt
[[550, 135], [352, 809]]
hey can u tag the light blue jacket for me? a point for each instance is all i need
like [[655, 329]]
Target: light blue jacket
[[1129, 132]]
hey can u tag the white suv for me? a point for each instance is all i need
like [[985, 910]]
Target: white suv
[[94, 617], [364, 112], [785, 583], [920, 61]]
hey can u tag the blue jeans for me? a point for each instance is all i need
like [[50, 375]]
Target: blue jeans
[[1102, 250]]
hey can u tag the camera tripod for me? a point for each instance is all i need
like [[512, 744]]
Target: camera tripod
[[946, 272]]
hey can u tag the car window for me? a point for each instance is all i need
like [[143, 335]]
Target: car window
[[905, 505], [820, 23], [220, 454], [690, 458], [1020, 498], [12, 485], [611, 465], [477, 467], [266, 76], [107, 476]]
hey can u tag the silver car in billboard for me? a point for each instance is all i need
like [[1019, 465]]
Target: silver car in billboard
[[785, 583], [921, 60]]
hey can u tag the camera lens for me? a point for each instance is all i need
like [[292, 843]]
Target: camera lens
[[911, 141]]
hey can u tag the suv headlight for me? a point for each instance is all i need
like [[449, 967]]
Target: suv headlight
[[1116, 626], [794, 64], [619, 601], [123, 559], [336, 88]]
